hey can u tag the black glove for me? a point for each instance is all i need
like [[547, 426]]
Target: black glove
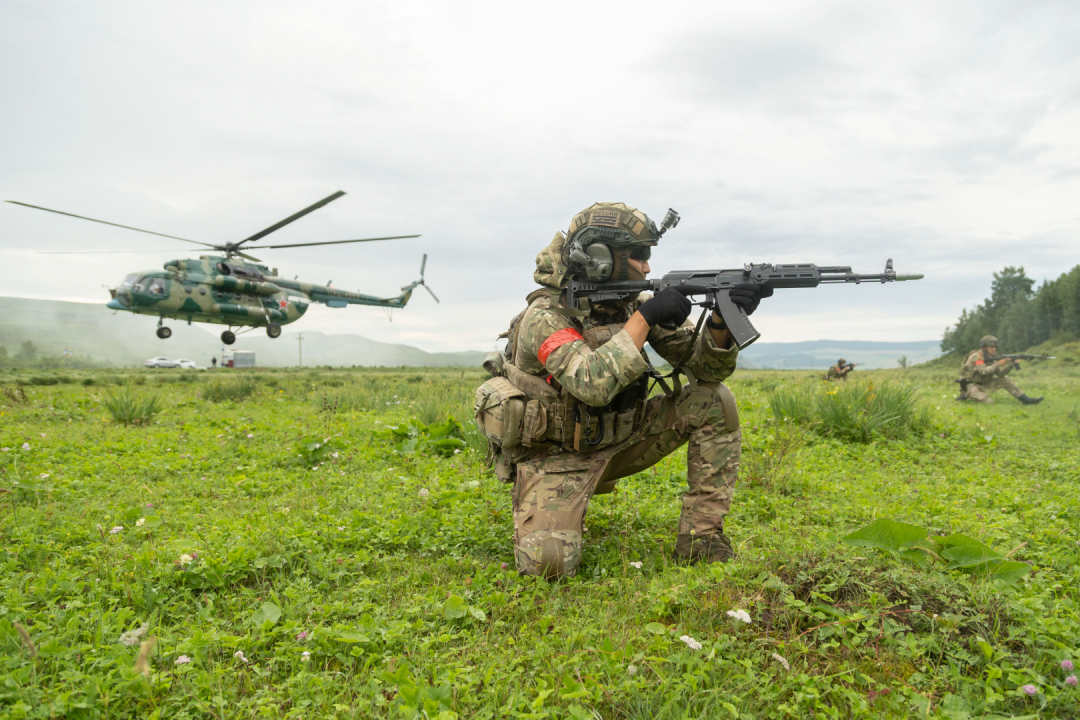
[[669, 306], [748, 295]]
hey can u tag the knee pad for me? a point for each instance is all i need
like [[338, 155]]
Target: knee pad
[[551, 554]]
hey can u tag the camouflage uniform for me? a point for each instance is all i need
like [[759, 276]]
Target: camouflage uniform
[[839, 371], [984, 376], [590, 357]]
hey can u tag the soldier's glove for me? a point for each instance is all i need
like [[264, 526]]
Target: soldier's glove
[[748, 295], [669, 306]]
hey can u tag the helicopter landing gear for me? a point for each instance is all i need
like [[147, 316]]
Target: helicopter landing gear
[[273, 330], [164, 333], [228, 337]]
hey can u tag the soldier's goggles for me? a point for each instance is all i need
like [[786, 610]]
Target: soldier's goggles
[[641, 253]]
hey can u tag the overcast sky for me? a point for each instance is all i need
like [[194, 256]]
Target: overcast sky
[[943, 135]]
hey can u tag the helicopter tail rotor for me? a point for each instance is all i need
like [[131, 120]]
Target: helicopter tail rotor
[[423, 264]]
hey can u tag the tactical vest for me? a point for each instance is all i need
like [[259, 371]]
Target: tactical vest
[[967, 372], [524, 416]]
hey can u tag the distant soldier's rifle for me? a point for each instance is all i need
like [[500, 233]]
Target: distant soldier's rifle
[[1024, 356], [716, 285]]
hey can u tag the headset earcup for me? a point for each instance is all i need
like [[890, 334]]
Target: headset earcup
[[602, 264]]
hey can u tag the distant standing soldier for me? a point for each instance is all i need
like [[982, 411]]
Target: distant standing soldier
[[588, 420], [213, 361], [840, 370], [981, 375]]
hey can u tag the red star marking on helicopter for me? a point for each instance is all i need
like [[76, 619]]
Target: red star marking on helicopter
[[283, 303]]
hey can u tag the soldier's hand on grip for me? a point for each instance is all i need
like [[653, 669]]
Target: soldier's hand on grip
[[669, 306], [748, 295]]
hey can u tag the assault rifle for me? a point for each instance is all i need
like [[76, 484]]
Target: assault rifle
[[716, 284], [1024, 356]]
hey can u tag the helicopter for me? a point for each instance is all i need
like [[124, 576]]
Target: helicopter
[[238, 293]]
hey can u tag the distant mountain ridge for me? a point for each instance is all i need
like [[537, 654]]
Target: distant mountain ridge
[[823, 353], [93, 332]]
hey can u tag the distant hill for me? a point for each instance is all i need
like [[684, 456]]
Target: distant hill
[[823, 353], [95, 333]]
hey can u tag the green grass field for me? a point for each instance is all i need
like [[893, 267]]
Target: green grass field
[[288, 561]]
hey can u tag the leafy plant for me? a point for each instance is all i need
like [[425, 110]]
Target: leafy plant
[[957, 551], [128, 408], [413, 436], [315, 450]]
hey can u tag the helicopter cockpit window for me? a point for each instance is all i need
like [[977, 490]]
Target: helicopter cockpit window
[[156, 286], [129, 281]]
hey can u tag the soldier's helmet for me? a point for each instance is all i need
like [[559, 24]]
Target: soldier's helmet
[[988, 340], [602, 236], [841, 361]]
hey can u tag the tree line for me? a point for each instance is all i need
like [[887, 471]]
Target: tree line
[[1019, 315]]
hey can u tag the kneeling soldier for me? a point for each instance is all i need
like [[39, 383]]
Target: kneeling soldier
[[840, 370], [578, 380], [981, 375]]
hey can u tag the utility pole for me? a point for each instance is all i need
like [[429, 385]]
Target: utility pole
[[300, 347]]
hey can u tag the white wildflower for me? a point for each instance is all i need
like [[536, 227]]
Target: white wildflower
[[116, 529], [333, 455], [457, 450], [782, 660], [140, 522], [250, 435], [305, 656], [26, 446], [182, 660], [636, 564], [472, 484], [131, 638], [739, 615], [341, 527], [285, 509], [691, 642], [185, 560], [424, 492], [4, 449], [631, 670], [239, 655], [44, 475]]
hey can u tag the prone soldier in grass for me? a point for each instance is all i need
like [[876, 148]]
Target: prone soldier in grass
[[983, 373], [575, 381]]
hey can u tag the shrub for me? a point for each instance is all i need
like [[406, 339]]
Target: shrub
[[128, 408], [235, 389], [854, 411]]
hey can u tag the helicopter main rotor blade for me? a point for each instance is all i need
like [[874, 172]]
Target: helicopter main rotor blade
[[423, 264], [104, 222], [330, 242], [297, 216], [247, 257], [101, 252], [432, 293]]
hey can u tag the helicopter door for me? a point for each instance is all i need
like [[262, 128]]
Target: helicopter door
[[156, 286]]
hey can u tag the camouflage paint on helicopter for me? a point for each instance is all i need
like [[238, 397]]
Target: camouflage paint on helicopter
[[235, 293], [222, 290]]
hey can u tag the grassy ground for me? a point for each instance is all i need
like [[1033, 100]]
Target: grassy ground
[[350, 581]]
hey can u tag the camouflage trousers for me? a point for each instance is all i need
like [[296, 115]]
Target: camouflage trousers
[[981, 392], [552, 493]]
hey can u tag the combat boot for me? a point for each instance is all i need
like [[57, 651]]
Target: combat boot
[[1029, 400], [709, 548]]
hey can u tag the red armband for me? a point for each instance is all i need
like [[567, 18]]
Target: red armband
[[555, 341], [979, 362]]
